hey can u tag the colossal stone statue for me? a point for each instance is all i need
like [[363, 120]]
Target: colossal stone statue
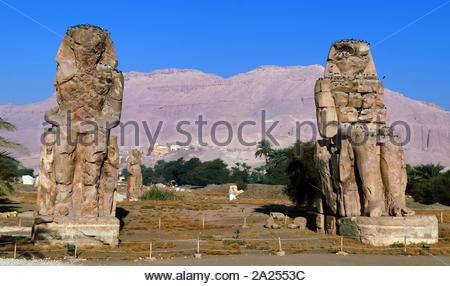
[[134, 161], [79, 157], [360, 159]]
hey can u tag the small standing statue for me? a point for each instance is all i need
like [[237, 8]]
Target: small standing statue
[[79, 158], [360, 159], [135, 179]]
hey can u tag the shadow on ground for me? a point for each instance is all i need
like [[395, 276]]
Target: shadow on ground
[[121, 213], [6, 205]]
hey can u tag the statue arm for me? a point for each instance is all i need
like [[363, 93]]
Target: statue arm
[[327, 120], [113, 104]]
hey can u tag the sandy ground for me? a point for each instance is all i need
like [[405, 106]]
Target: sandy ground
[[25, 262], [224, 240], [255, 260], [294, 260]]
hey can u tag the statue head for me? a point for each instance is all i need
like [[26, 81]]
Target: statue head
[[84, 47], [86, 61], [350, 59], [134, 157], [87, 44]]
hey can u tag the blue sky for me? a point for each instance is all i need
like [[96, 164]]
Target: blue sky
[[230, 37]]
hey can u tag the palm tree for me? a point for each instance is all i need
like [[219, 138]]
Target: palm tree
[[275, 158], [8, 165], [263, 150], [427, 171], [421, 173], [7, 144], [8, 172]]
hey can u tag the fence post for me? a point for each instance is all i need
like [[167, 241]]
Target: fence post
[[159, 223], [15, 250], [342, 243], [280, 249], [405, 244], [198, 254], [245, 222], [203, 222], [150, 251]]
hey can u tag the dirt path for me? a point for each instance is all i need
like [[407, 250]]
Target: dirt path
[[292, 260]]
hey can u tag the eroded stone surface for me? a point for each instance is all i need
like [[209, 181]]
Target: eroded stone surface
[[360, 159], [76, 230], [135, 188], [385, 231], [233, 192], [361, 167], [80, 160]]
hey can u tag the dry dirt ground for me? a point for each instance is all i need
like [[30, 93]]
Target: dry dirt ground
[[176, 230]]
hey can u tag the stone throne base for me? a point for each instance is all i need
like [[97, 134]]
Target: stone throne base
[[385, 231], [76, 230]]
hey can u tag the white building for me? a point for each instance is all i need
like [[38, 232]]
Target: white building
[[28, 180]]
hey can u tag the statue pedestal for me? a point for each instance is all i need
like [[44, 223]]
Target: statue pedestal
[[385, 230], [76, 230]]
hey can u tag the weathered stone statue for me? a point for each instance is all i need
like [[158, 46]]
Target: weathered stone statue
[[360, 159], [134, 161], [79, 158], [233, 192]]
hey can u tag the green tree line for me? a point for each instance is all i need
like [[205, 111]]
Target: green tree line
[[197, 173], [429, 184]]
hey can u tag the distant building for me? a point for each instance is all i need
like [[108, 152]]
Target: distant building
[[174, 147], [160, 149], [28, 180]]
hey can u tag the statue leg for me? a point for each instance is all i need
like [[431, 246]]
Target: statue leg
[[322, 160], [95, 154], [107, 187], [368, 167], [393, 170], [351, 199], [109, 178], [64, 167]]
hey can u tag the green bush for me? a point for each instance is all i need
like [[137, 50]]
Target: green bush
[[434, 190], [240, 175], [276, 167], [241, 185], [397, 245], [8, 172], [304, 178], [25, 172], [421, 173], [210, 172], [230, 242], [155, 194]]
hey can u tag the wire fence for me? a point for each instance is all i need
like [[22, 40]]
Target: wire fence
[[201, 246], [205, 223]]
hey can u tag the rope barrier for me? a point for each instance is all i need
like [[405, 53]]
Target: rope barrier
[[218, 250], [337, 238], [334, 243]]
